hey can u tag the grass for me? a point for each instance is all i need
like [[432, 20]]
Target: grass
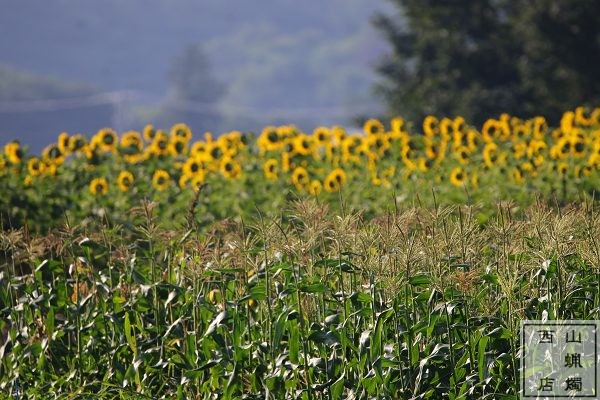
[[311, 302]]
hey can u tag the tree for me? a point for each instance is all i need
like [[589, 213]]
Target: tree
[[479, 59], [194, 93]]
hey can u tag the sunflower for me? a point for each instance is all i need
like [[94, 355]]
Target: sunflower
[[517, 176], [473, 140], [490, 154], [197, 180], [562, 168], [397, 125], [229, 168], [578, 147], [149, 133], [581, 119], [519, 149], [181, 131], [562, 148], [458, 176], [300, 177], [132, 142], [269, 139], [331, 184], [270, 168], [351, 148], [339, 133], [35, 166], [425, 164], [435, 151], [339, 175], [540, 128], [315, 187], [567, 122], [199, 147], [491, 130], [14, 152], [161, 180], [64, 143], [99, 186], [463, 155], [303, 145], [178, 145], [160, 144], [125, 180], [373, 127], [105, 140], [53, 155], [459, 124], [587, 170], [193, 166], [430, 126], [321, 135], [378, 143], [77, 143], [445, 125]]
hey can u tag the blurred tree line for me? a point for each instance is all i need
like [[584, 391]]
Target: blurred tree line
[[481, 58]]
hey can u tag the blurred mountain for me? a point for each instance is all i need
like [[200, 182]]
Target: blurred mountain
[[279, 60]]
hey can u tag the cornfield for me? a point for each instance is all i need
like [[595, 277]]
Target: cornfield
[[389, 263]]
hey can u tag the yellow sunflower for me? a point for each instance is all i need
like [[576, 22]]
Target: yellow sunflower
[[35, 166], [132, 141], [562, 168], [462, 153], [430, 126], [64, 143], [578, 147], [230, 169], [53, 155], [161, 180], [105, 140], [517, 176], [322, 135], [331, 184], [315, 188], [373, 127], [160, 144], [339, 175], [270, 169], [125, 180], [149, 133], [181, 131], [300, 177], [540, 128], [14, 153], [458, 176], [269, 139], [77, 143], [303, 145], [178, 145], [193, 166], [490, 154], [99, 186]]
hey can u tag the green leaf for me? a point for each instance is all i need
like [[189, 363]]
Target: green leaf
[[313, 288], [131, 340], [420, 280], [481, 356]]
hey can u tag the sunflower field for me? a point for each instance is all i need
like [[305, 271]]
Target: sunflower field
[[395, 262]]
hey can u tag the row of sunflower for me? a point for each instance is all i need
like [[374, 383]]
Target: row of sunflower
[[446, 149]]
